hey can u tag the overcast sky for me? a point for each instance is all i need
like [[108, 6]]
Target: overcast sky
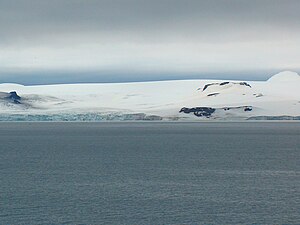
[[54, 41]]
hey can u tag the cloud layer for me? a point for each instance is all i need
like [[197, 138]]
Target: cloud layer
[[143, 37]]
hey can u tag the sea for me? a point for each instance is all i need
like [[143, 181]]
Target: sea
[[150, 173]]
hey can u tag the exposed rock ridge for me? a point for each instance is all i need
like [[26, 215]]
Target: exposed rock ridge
[[208, 111], [224, 83]]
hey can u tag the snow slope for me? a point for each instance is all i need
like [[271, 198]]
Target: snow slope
[[278, 96]]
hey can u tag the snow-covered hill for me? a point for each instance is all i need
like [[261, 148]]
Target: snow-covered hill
[[161, 100]]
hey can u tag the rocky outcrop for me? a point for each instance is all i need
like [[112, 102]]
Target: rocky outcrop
[[14, 97], [199, 111], [10, 97], [248, 109], [207, 85], [225, 83], [213, 94], [245, 108], [208, 111]]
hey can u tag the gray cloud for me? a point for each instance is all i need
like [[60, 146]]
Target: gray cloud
[[190, 19], [167, 36]]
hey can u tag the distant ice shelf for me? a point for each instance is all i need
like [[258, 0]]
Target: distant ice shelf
[[183, 100]]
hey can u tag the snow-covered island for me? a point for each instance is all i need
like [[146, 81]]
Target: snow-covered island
[[186, 100]]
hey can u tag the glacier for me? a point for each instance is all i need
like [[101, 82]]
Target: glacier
[[178, 100]]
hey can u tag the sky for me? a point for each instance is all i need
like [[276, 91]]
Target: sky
[[70, 41]]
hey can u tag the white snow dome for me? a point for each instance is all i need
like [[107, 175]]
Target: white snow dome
[[285, 76]]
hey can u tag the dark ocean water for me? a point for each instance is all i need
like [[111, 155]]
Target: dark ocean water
[[150, 173]]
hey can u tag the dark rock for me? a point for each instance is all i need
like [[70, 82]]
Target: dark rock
[[213, 94], [224, 83], [248, 109], [246, 84], [206, 86], [199, 111], [207, 111], [14, 97]]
